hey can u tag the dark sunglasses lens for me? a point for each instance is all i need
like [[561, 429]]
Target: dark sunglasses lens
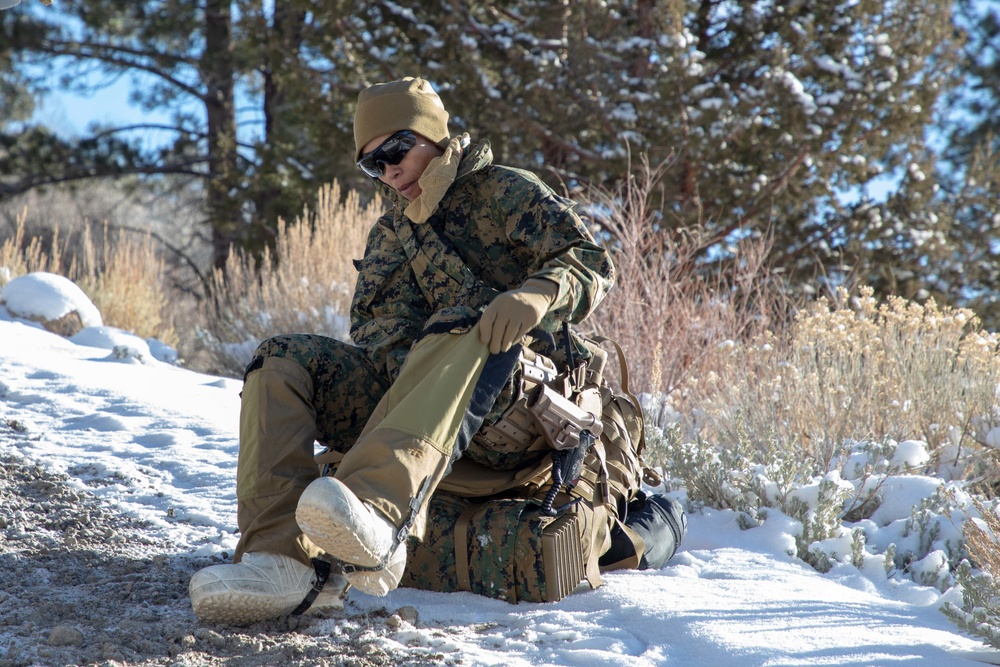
[[369, 166], [392, 151]]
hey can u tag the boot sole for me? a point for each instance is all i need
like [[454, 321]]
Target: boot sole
[[320, 515], [231, 608]]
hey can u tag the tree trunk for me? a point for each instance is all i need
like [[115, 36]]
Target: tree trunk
[[218, 74], [280, 49], [556, 28], [640, 65]]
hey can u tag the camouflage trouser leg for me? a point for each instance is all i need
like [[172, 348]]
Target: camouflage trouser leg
[[298, 389]]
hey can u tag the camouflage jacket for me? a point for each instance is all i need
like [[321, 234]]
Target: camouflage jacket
[[494, 228]]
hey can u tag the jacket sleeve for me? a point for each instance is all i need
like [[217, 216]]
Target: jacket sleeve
[[565, 251], [388, 309]]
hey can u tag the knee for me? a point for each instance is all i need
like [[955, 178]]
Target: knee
[[663, 522], [277, 346]]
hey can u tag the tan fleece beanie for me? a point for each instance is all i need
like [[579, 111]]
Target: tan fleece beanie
[[408, 104]]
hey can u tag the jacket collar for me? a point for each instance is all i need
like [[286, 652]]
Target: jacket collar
[[474, 158]]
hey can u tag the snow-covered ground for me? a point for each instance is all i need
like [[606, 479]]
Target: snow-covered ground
[[160, 444]]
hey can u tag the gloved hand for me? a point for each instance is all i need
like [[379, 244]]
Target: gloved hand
[[514, 313]]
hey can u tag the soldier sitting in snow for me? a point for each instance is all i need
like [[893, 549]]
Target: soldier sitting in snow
[[472, 443]]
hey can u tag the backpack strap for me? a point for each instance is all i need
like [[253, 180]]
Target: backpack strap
[[649, 475], [623, 365], [322, 569]]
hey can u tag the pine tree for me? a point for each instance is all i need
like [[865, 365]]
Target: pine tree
[[192, 59], [790, 119], [970, 171], [781, 118]]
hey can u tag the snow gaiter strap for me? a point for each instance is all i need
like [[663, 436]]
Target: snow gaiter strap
[[322, 576]]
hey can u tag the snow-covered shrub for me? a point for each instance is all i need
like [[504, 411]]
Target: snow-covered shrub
[[732, 477], [736, 477], [818, 506], [123, 276], [979, 613], [739, 478], [860, 421], [304, 287], [868, 508]]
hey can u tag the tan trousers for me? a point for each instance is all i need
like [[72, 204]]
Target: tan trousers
[[420, 425]]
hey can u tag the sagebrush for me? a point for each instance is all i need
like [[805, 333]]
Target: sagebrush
[[304, 286], [979, 613], [670, 310], [851, 368], [20, 254]]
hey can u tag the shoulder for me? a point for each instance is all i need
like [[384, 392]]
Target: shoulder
[[501, 174], [478, 174], [508, 185], [380, 233]]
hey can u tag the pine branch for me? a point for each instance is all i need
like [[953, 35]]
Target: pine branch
[[113, 55]]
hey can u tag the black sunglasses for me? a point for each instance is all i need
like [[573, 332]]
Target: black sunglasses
[[390, 151]]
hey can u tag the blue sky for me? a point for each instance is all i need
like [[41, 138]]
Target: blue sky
[[69, 114]]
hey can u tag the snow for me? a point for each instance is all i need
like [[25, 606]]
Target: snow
[[163, 442]]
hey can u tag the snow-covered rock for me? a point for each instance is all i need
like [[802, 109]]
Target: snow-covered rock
[[53, 301]]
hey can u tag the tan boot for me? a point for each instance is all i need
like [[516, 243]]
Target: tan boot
[[261, 586], [354, 533], [343, 526], [381, 580], [378, 498]]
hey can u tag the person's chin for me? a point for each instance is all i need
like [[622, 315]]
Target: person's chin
[[410, 192]]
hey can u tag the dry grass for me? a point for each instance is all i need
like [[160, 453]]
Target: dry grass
[[20, 255], [304, 287], [123, 277], [853, 369]]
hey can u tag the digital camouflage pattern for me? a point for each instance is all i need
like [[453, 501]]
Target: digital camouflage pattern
[[495, 228], [430, 563], [504, 548], [492, 538]]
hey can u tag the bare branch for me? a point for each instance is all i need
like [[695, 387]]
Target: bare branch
[[35, 180]]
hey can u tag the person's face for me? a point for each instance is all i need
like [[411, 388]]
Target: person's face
[[403, 177]]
